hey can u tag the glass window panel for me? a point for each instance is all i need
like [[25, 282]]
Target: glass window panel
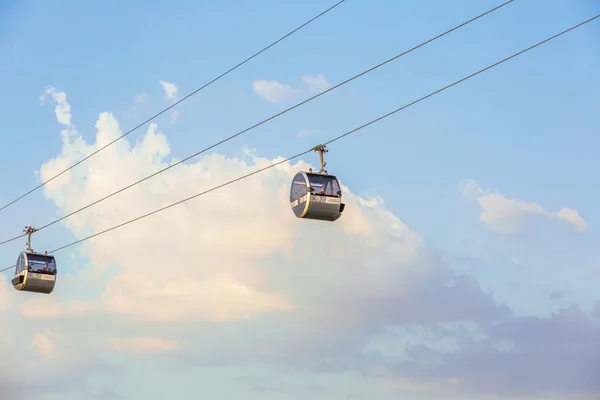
[[42, 264]]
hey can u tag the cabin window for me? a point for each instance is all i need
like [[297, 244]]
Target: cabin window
[[298, 187], [41, 264], [52, 265], [20, 263], [324, 185], [334, 187]]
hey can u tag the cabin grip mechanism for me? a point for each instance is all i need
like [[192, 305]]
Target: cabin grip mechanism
[[28, 231], [321, 149]]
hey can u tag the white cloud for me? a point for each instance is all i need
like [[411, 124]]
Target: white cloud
[[572, 217], [71, 139], [170, 92], [316, 83], [505, 215], [215, 298], [62, 108], [276, 92], [469, 187], [170, 89]]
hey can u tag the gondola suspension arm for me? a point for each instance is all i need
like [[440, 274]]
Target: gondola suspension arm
[[28, 231], [321, 149]]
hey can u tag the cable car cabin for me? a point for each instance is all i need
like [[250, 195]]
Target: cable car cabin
[[316, 196], [35, 273]]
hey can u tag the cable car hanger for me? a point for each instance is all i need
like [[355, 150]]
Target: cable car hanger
[[321, 149], [28, 231]]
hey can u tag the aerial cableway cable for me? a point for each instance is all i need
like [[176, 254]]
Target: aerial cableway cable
[[330, 141], [268, 119], [174, 104]]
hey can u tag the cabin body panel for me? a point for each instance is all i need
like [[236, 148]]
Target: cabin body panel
[[323, 208]]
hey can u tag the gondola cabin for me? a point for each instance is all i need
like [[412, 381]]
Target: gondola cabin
[[316, 196], [35, 273]]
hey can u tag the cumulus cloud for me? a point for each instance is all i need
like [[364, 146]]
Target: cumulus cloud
[[316, 83], [572, 217], [505, 215], [62, 108], [170, 89], [276, 92], [233, 277], [171, 93]]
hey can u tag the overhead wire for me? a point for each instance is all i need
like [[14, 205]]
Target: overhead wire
[[326, 143], [268, 119], [174, 104]]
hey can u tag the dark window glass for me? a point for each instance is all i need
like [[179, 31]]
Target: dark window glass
[[41, 264], [324, 185], [298, 187], [20, 263]]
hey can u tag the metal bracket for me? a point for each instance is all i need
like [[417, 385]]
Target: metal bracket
[[321, 149], [28, 231]]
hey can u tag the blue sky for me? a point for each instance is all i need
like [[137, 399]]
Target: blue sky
[[524, 131]]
